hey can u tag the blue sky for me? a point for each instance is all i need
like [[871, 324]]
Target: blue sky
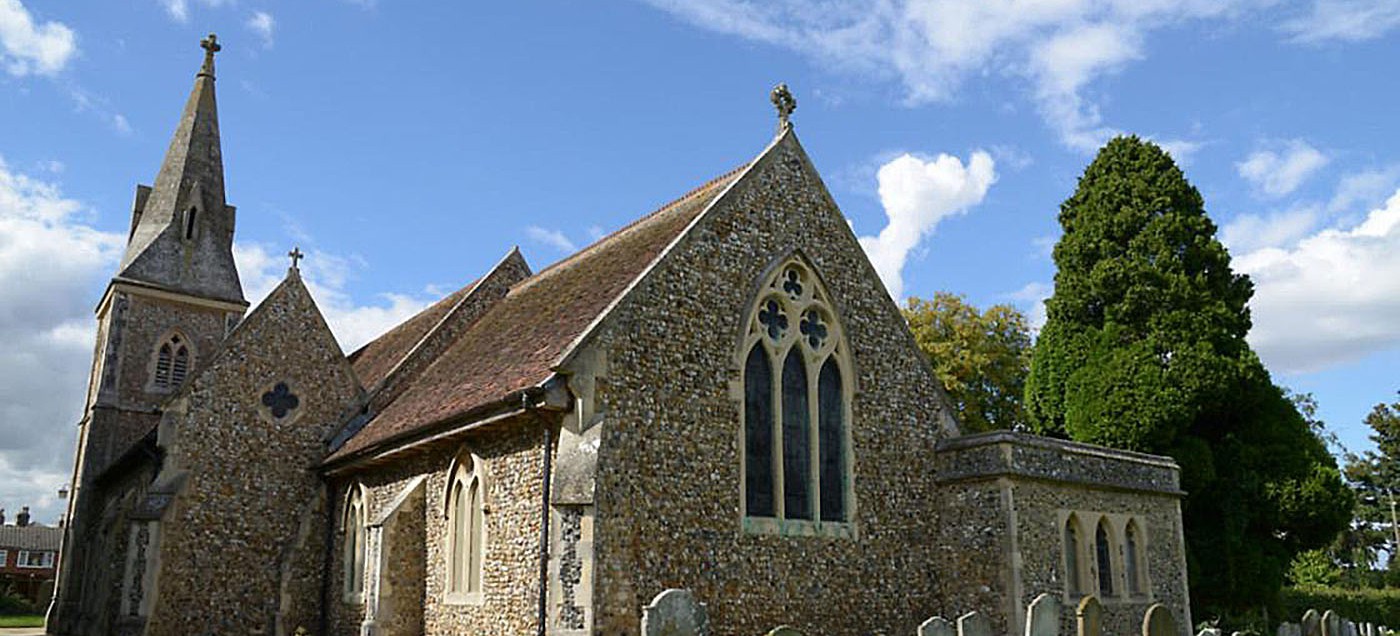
[[406, 146]]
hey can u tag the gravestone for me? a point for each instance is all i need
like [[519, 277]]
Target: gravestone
[[1089, 617], [974, 624], [1290, 629], [1312, 623], [1158, 621], [937, 626], [1209, 631], [675, 613], [1043, 617], [784, 630], [1331, 624]]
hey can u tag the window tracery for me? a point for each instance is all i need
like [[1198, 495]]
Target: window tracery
[[353, 541], [796, 412], [173, 361], [466, 524]]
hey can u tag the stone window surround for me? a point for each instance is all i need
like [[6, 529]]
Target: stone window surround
[[1086, 524], [45, 559], [457, 473], [153, 383], [752, 334], [354, 520]]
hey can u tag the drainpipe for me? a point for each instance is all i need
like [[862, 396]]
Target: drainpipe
[[548, 461], [323, 617]]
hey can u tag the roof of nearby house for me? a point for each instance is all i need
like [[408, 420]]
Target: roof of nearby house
[[515, 344], [31, 537]]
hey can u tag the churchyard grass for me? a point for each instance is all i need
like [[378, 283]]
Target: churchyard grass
[[22, 620]]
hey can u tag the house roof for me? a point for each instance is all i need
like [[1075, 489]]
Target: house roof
[[516, 343], [32, 537], [375, 360]]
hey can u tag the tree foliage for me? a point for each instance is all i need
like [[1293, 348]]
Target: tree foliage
[[1144, 349], [1375, 475], [982, 358]]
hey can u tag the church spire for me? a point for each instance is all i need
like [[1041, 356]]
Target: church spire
[[182, 228]]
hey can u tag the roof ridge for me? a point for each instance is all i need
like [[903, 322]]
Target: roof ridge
[[638, 221]]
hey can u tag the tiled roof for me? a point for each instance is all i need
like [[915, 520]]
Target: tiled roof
[[514, 345], [31, 537], [374, 361]]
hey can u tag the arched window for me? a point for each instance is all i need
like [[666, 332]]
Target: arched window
[[466, 529], [173, 361], [1074, 579], [353, 541], [190, 226], [1103, 551], [796, 438], [1133, 558]]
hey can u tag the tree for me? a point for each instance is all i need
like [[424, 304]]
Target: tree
[[1144, 349], [1375, 475], [982, 358]]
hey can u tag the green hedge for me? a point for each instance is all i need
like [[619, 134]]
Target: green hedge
[[1381, 607]]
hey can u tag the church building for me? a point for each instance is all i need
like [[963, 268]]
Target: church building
[[720, 397]]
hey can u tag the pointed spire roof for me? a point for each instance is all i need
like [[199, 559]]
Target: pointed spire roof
[[182, 232]]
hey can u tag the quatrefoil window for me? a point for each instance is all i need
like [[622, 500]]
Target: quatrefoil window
[[813, 328], [773, 319], [280, 400]]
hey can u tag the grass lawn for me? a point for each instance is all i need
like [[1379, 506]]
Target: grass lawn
[[22, 621]]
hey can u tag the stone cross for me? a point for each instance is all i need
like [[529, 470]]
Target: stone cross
[[211, 46], [296, 256], [785, 103], [675, 613]]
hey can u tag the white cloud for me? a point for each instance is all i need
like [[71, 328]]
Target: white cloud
[[179, 10], [1031, 301], [1250, 232], [1279, 172], [917, 194], [1345, 20], [552, 238], [1060, 47], [52, 263], [1368, 189], [1331, 298], [261, 23], [28, 47]]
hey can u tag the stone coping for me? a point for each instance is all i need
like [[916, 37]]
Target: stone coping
[[1022, 455]]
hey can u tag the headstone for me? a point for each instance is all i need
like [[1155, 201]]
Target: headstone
[[1290, 629], [1350, 629], [675, 613], [937, 626], [974, 624], [1089, 617], [1312, 623], [1331, 624], [1209, 631], [1368, 629], [784, 630], [1158, 621], [1043, 617]]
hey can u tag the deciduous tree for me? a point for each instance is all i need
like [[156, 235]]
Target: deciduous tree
[[982, 358]]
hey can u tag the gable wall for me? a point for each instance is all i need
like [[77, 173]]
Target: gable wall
[[668, 484]]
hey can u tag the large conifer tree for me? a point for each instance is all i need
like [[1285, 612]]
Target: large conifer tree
[[1144, 349]]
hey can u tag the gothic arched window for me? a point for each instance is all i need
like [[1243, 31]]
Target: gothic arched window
[[1103, 551], [466, 529], [353, 542], [1132, 558], [796, 438], [173, 361], [1074, 577]]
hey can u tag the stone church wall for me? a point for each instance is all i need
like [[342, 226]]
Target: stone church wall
[[514, 465], [1011, 494], [668, 483]]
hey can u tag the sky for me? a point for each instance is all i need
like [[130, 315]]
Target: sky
[[407, 146]]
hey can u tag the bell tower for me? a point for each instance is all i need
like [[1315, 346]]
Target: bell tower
[[174, 297]]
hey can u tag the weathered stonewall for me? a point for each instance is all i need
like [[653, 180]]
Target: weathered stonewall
[[675, 613], [1043, 619], [937, 626], [1089, 617], [1158, 621]]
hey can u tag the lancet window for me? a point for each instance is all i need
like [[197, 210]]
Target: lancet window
[[466, 523], [173, 360], [796, 437], [353, 542]]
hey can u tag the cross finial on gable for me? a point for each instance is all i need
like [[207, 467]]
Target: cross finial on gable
[[785, 103], [211, 45], [296, 255]]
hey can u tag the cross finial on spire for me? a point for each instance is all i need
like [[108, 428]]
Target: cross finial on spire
[[296, 256], [785, 103], [211, 45]]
